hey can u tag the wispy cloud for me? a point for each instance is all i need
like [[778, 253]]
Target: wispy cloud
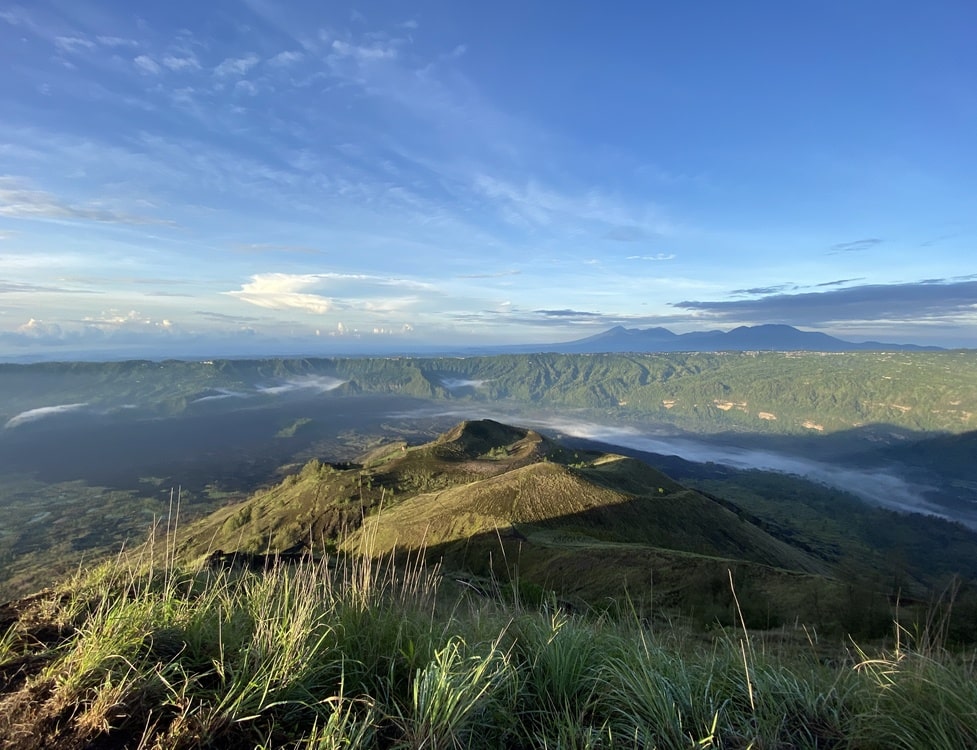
[[286, 58], [261, 248], [224, 318], [73, 44], [498, 275], [839, 282], [567, 314], [627, 234], [236, 66], [116, 41], [937, 240], [14, 287], [535, 204], [364, 53], [181, 63], [763, 290], [148, 65], [17, 200], [655, 257], [854, 247]]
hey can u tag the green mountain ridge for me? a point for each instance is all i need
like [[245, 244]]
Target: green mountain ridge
[[491, 501], [567, 597], [797, 393]]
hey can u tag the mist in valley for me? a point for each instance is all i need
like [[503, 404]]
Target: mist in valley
[[226, 443], [883, 484]]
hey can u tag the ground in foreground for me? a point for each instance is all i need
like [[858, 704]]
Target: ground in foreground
[[347, 652]]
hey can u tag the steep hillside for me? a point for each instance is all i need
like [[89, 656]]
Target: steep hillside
[[604, 500], [494, 502], [788, 392], [323, 503]]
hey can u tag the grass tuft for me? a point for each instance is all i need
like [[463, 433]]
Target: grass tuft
[[353, 652]]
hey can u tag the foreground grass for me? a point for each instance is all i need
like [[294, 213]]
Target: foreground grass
[[352, 654]]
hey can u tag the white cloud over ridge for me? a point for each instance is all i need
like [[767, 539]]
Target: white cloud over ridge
[[319, 383], [456, 383]]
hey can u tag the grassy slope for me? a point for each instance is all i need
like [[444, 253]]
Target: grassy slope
[[350, 652], [487, 499], [364, 657]]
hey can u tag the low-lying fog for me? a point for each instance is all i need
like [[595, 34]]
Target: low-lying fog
[[229, 433], [32, 415], [882, 486], [879, 485]]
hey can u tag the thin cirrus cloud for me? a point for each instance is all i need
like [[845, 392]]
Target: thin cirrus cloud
[[839, 282], [181, 63], [17, 287], [147, 64], [537, 204], [285, 58], [73, 44], [763, 290], [237, 66], [627, 233], [855, 247], [567, 314], [18, 200]]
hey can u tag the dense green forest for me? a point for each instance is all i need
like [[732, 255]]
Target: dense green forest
[[760, 392]]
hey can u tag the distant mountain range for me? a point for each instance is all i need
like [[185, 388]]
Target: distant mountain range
[[745, 338]]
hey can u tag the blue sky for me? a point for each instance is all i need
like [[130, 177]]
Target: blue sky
[[248, 176]]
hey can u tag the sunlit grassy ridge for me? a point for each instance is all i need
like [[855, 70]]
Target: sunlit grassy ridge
[[353, 653], [488, 589], [486, 497]]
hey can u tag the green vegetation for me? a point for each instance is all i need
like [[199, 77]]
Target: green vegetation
[[292, 429], [349, 652], [222, 429], [769, 392], [493, 588], [490, 501], [490, 588]]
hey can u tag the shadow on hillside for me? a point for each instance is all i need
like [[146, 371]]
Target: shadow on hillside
[[658, 585], [236, 448]]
